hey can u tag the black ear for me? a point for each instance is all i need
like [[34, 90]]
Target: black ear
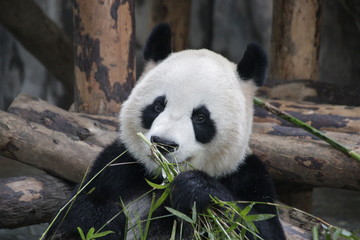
[[253, 64], [158, 44]]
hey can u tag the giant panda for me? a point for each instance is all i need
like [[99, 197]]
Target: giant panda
[[198, 106]]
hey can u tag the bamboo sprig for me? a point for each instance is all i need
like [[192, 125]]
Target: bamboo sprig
[[348, 152]]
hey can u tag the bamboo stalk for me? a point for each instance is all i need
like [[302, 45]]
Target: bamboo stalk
[[303, 125]]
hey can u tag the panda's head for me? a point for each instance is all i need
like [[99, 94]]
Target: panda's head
[[196, 103]]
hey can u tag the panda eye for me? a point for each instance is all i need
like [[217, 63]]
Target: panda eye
[[199, 118], [158, 107]]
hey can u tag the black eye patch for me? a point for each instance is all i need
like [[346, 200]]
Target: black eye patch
[[152, 111], [204, 126]]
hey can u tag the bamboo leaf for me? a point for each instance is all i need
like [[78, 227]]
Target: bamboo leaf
[[246, 210], [259, 217], [157, 186], [102, 234], [163, 197], [90, 233], [179, 215], [81, 233]]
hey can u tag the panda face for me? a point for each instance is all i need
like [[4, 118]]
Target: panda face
[[196, 105]]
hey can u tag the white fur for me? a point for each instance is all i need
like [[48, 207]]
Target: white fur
[[190, 79]]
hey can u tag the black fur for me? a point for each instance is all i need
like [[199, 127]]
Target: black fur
[[204, 126], [101, 199], [158, 45], [253, 64], [152, 111]]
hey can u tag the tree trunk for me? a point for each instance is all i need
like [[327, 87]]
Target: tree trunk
[[31, 200], [104, 55], [177, 14], [295, 39]]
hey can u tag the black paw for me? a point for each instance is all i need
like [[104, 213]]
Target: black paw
[[196, 187]]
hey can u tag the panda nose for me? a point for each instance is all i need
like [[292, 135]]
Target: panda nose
[[164, 145]]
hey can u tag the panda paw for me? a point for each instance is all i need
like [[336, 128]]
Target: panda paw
[[196, 187]]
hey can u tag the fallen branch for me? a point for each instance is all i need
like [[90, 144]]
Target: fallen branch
[[52, 151], [31, 200], [94, 129]]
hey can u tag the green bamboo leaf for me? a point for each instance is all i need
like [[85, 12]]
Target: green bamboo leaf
[[315, 233], [163, 197], [90, 233], [179, 215], [173, 231], [336, 234], [81, 233], [157, 186], [102, 234], [194, 213], [246, 210], [259, 217]]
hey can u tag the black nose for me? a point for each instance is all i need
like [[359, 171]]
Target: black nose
[[164, 145]]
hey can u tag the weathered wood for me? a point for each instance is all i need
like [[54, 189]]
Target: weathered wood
[[295, 233], [46, 149], [104, 55], [307, 90], [41, 37], [321, 116], [295, 40], [94, 129], [177, 14], [294, 156], [31, 200], [298, 219]]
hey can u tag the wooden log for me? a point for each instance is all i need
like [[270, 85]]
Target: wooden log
[[31, 200], [321, 116], [41, 37], [295, 39], [105, 55], [46, 149], [94, 129], [294, 156], [307, 90], [177, 14]]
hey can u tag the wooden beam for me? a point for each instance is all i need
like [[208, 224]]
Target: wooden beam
[[295, 40], [177, 14], [104, 55]]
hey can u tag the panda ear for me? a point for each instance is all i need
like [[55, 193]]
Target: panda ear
[[253, 64], [158, 44]]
